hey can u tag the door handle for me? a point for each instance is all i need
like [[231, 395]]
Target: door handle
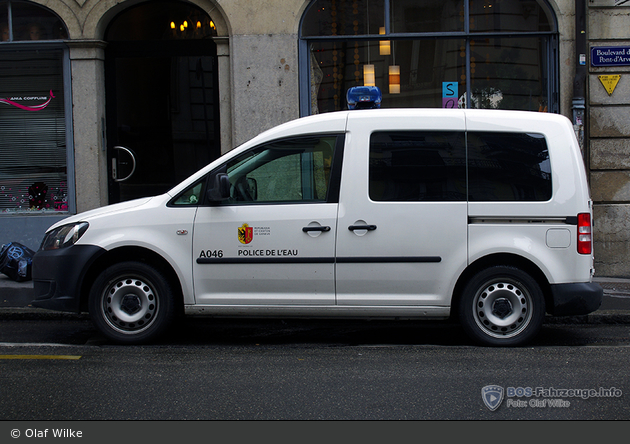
[[309, 229], [362, 227], [115, 166]]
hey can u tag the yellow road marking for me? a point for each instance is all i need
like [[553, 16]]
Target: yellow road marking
[[67, 357]]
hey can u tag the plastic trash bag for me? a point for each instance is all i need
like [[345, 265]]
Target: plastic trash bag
[[16, 261]]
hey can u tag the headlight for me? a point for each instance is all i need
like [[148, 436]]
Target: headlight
[[64, 236]]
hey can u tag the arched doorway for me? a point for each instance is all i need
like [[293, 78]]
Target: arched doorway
[[162, 97]]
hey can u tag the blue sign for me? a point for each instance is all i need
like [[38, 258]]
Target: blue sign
[[610, 56], [449, 89], [449, 95]]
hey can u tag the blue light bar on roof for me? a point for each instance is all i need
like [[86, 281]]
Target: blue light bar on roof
[[364, 97]]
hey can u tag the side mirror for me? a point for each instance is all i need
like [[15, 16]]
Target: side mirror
[[221, 188]]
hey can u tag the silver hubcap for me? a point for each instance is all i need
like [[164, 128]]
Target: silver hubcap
[[502, 309], [130, 305]]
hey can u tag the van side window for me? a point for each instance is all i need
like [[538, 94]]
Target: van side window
[[290, 170], [508, 167], [411, 166]]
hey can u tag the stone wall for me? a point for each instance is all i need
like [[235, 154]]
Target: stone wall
[[609, 142]]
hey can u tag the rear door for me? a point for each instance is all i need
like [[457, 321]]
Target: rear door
[[403, 211]]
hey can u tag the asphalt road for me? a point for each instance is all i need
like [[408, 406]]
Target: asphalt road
[[62, 369]]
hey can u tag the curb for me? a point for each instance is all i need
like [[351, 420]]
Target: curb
[[34, 314], [606, 317], [600, 317]]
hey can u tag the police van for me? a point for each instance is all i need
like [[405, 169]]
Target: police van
[[482, 215]]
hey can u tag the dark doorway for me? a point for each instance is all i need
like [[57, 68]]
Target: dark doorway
[[162, 103]]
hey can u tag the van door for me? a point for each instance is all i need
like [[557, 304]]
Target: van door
[[273, 241], [402, 236]]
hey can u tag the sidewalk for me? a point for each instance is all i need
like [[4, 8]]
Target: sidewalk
[[15, 294], [15, 298]]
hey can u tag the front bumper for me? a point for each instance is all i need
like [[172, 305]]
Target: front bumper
[[575, 299], [58, 276]]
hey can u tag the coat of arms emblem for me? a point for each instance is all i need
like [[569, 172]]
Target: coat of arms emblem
[[245, 234]]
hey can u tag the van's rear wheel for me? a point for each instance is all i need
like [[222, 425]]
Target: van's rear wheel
[[131, 303], [502, 306]]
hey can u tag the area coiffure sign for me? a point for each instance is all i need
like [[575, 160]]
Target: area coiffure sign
[[610, 56]]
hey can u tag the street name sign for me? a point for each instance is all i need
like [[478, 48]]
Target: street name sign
[[610, 56]]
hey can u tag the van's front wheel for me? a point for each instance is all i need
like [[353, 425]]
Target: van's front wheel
[[502, 306], [131, 303]]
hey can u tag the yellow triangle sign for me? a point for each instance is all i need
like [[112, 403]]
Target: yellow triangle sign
[[610, 82]]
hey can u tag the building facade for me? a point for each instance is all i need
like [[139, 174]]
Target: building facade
[[102, 101]]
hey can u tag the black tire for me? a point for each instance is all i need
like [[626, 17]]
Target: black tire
[[131, 303], [502, 306]]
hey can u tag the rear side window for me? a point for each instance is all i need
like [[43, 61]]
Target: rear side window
[[413, 166], [508, 167]]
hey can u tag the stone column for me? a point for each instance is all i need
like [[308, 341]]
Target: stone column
[[225, 92], [88, 105]]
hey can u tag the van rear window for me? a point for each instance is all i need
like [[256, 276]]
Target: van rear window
[[413, 166], [508, 167]]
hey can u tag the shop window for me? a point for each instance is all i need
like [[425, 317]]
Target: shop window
[[509, 16], [334, 69], [509, 73], [33, 146], [430, 54], [427, 16], [25, 21], [344, 17]]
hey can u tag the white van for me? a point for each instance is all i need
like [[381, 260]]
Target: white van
[[417, 213]]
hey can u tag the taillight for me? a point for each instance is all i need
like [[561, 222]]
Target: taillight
[[585, 239]]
